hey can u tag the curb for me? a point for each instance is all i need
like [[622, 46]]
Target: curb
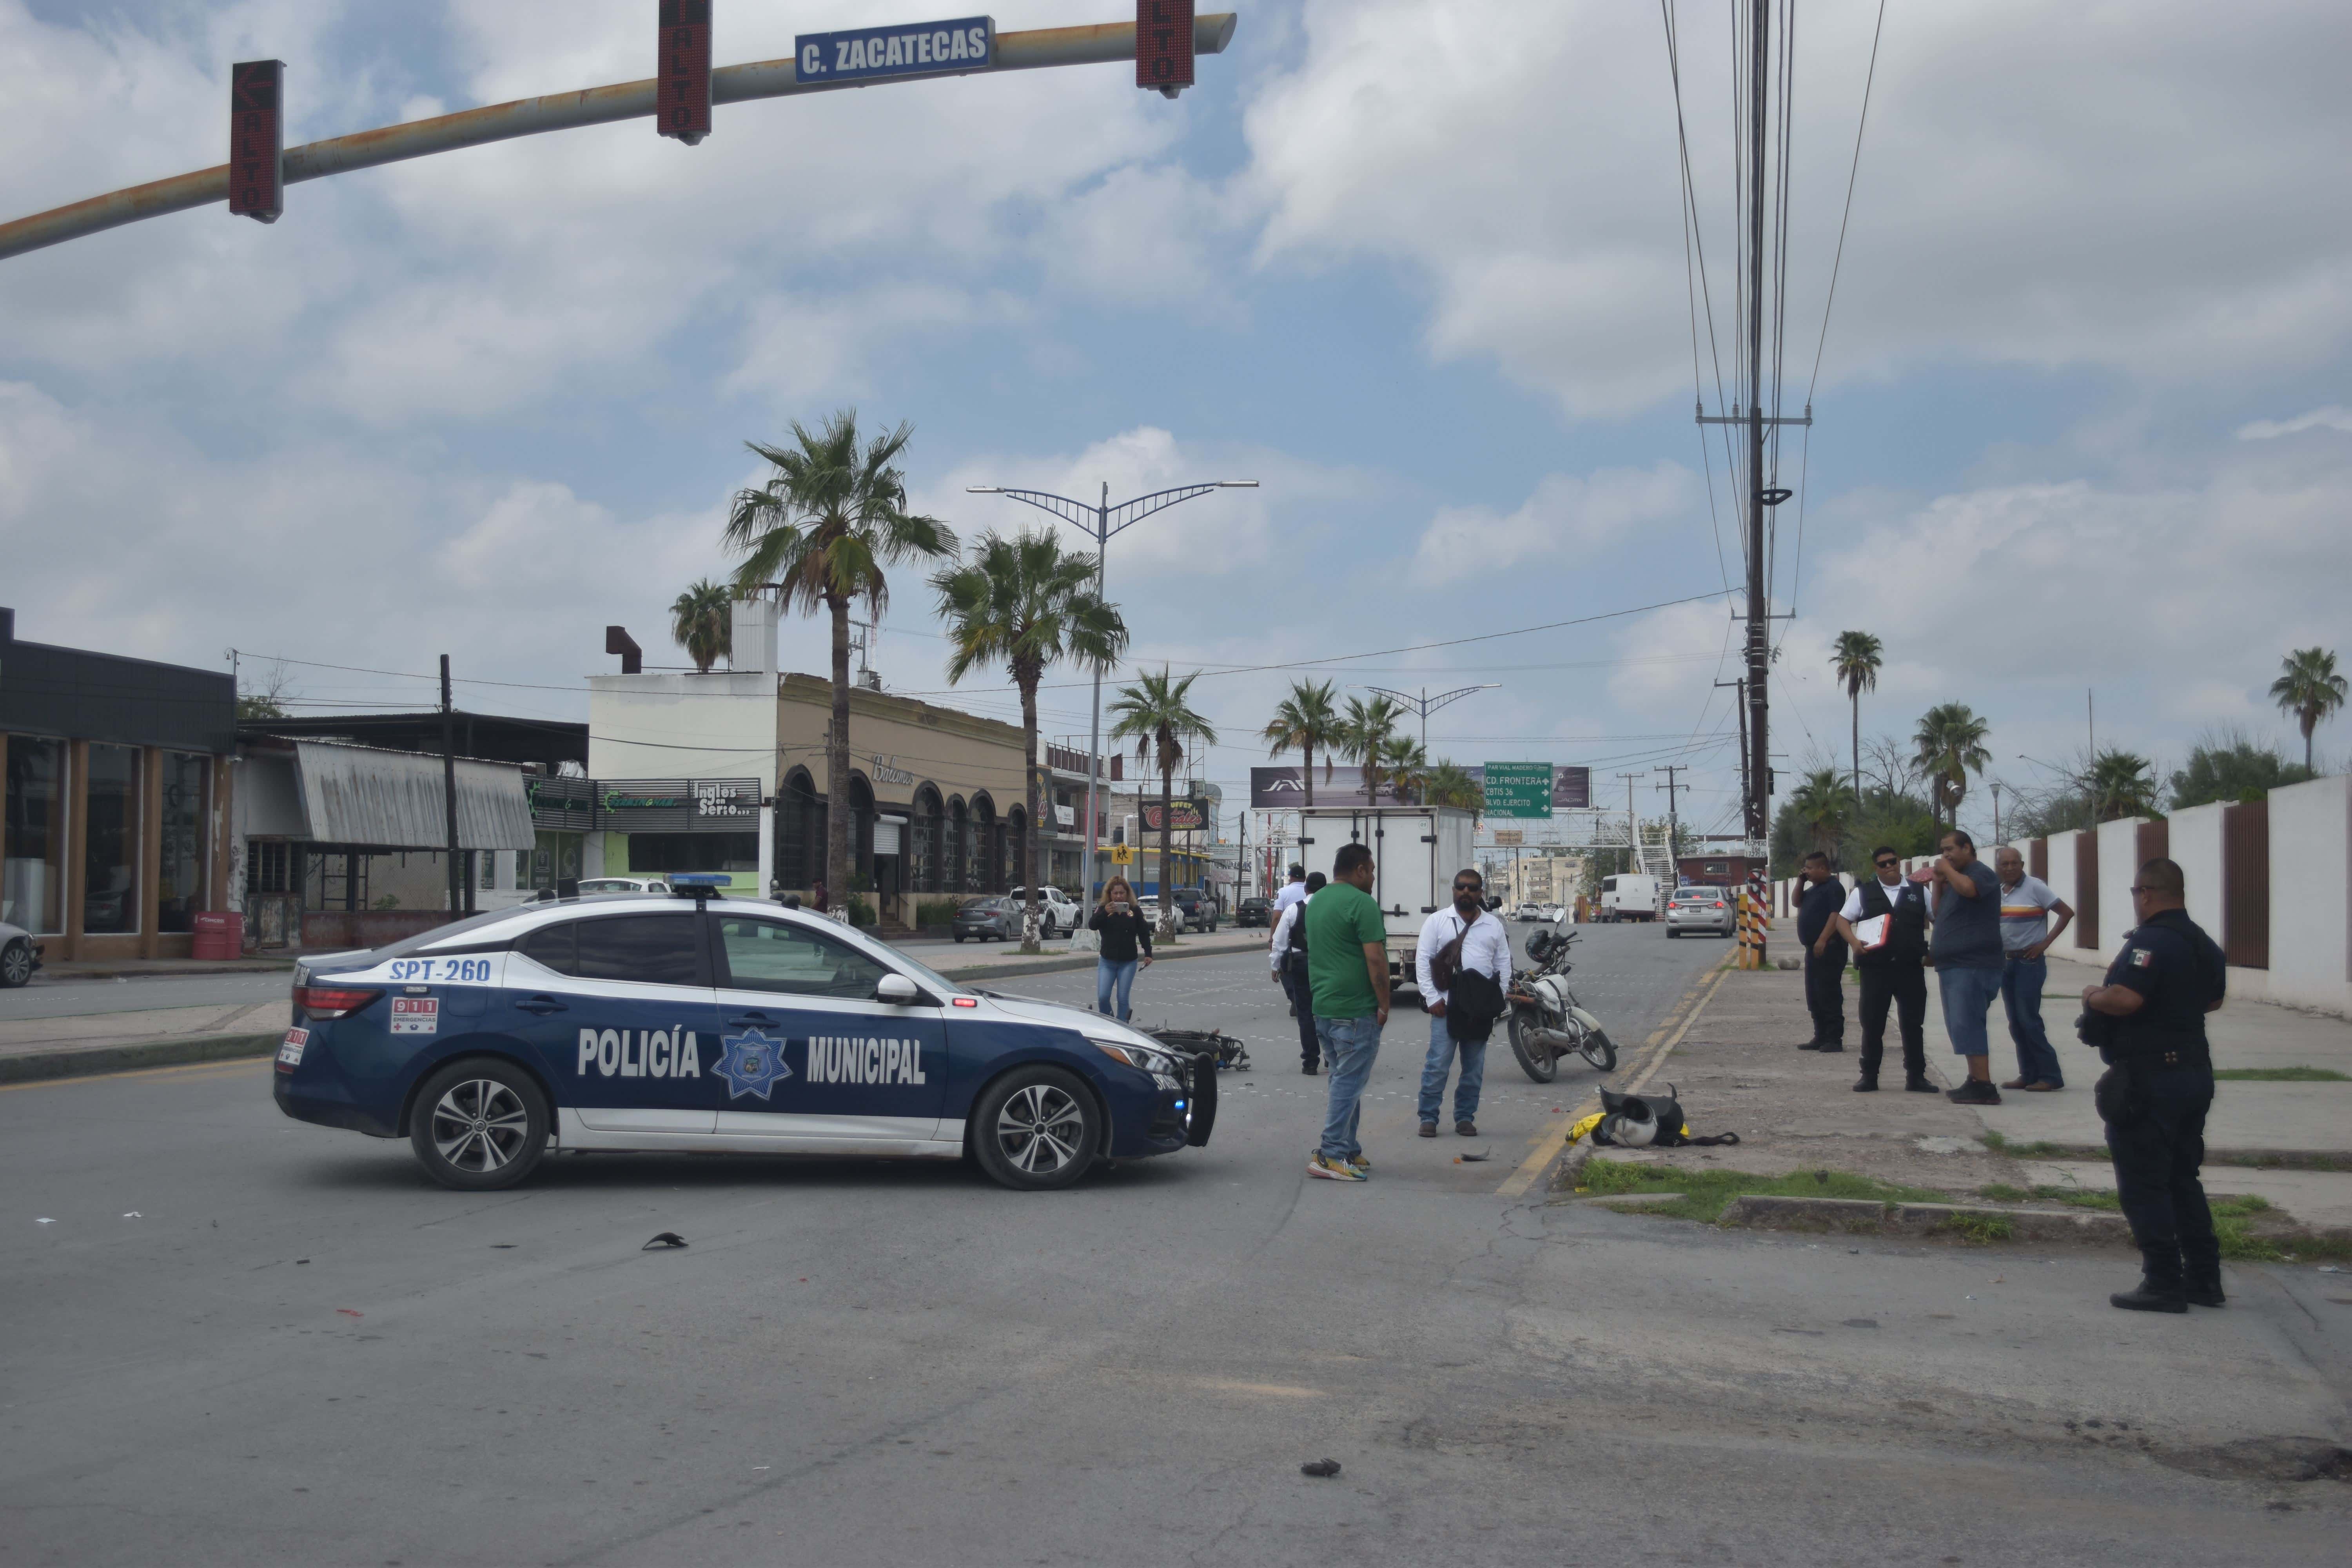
[[1061, 965], [1861, 1216], [101, 1059], [2250, 1159], [84, 969]]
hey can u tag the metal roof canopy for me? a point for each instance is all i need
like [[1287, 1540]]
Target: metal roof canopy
[[1099, 44], [356, 794], [490, 737]]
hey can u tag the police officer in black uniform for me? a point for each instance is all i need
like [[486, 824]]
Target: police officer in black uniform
[[2148, 1022]]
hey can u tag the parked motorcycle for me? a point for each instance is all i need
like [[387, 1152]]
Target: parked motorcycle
[[1545, 1021]]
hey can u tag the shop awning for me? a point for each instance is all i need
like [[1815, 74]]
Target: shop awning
[[357, 795]]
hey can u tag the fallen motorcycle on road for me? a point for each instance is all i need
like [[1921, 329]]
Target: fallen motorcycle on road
[[1546, 1022]]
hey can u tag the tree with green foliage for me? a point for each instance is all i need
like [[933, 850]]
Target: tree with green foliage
[[702, 621], [1027, 605], [1305, 721], [1823, 804], [1157, 714], [817, 534], [1450, 785], [1950, 745], [1404, 762], [2309, 688], [1857, 660], [2121, 783], [2232, 767], [1364, 736]]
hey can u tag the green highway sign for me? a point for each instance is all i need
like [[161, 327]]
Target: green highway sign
[[1518, 789]]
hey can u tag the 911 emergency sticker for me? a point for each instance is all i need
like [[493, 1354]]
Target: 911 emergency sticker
[[417, 1015], [290, 1050]]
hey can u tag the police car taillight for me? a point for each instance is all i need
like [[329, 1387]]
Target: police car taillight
[[331, 1001]]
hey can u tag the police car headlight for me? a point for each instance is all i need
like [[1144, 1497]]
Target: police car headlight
[[1158, 1063]]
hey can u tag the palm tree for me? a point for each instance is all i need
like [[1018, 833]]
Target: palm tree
[[1157, 714], [1305, 721], [1363, 732], [1404, 762], [818, 533], [1822, 806], [2310, 689], [1026, 602], [1950, 743], [1448, 784], [701, 623], [2121, 783], [1857, 660]]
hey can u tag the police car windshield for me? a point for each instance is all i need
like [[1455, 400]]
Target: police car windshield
[[454, 930]]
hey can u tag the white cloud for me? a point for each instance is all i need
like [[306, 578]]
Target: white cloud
[[2335, 417], [2126, 187], [797, 348], [1568, 515]]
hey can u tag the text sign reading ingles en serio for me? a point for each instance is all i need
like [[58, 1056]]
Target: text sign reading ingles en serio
[[909, 48]]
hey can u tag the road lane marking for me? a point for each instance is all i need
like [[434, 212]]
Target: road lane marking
[[232, 1065], [1553, 1138]]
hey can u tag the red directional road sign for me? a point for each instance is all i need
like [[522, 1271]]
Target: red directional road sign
[[256, 139], [1163, 44], [682, 70]]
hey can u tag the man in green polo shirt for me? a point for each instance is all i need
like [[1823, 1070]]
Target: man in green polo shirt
[[1348, 979]]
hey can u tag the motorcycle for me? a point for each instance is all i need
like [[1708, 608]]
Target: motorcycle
[[1546, 1022]]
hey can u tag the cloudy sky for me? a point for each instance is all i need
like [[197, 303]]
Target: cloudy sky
[[1416, 266]]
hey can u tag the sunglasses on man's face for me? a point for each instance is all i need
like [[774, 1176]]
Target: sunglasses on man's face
[[1469, 887], [1886, 865]]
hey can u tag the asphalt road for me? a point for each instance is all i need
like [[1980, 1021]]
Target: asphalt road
[[298, 1352]]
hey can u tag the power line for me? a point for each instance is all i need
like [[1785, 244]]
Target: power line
[[1851, 173]]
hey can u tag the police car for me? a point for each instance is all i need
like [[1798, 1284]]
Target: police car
[[697, 1023]]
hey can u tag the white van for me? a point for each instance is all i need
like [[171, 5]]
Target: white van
[[1631, 897]]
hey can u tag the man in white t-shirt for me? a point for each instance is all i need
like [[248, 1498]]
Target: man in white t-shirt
[[1487, 947], [1293, 892], [2026, 903], [1287, 957]]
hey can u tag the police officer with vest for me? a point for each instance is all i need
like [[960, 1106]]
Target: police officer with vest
[[1893, 971], [1287, 956], [2148, 1021]]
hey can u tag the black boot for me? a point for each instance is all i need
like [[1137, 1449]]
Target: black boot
[[1916, 1083], [2151, 1295], [2202, 1279], [1866, 1084]]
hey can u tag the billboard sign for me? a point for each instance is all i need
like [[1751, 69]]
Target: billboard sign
[[1188, 815], [1285, 788], [1517, 789], [256, 139], [682, 70], [909, 49], [1571, 789]]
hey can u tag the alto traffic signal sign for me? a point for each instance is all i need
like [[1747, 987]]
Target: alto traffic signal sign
[[1163, 44], [682, 70], [256, 139]]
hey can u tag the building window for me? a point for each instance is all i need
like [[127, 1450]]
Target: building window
[[110, 848], [659, 852], [269, 867], [33, 878], [554, 857], [180, 881]]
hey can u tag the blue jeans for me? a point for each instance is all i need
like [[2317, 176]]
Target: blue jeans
[[2020, 993], [1349, 1045], [1966, 995], [1441, 1046], [1108, 975]]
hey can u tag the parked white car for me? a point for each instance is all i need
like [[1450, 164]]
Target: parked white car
[[624, 885], [1061, 911], [19, 956]]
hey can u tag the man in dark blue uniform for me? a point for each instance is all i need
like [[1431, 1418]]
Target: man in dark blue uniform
[[1820, 896], [2149, 1017]]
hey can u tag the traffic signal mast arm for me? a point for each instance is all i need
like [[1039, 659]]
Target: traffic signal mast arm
[[1099, 44]]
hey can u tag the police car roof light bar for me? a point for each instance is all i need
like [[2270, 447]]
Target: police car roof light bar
[[698, 885]]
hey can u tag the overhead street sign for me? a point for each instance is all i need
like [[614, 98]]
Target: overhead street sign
[[1163, 44], [1518, 789], [909, 49], [256, 139], [682, 68]]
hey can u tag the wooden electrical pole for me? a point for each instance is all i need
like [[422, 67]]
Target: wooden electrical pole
[[449, 793]]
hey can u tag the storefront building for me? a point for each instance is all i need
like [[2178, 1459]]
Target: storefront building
[[114, 794]]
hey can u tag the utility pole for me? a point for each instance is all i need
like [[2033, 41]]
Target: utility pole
[[1633, 827], [1674, 821], [1740, 705], [449, 793]]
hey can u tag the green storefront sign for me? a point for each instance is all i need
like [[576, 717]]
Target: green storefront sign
[[1518, 789]]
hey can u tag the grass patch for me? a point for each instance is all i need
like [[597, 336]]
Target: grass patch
[[1705, 1193], [2282, 1075], [2000, 1145], [1983, 1229]]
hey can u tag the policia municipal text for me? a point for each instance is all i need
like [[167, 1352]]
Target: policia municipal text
[[2148, 1022]]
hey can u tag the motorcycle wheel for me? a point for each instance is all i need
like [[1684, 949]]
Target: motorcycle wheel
[[1599, 1051], [1534, 1061]]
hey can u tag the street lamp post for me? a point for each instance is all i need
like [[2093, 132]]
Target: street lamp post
[[1425, 704], [1102, 523]]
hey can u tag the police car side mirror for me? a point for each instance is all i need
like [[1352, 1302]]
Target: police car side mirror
[[896, 990]]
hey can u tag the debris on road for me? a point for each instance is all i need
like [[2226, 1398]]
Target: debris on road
[[665, 1240], [351, 1312], [1323, 1468]]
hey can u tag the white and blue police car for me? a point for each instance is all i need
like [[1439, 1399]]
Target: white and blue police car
[[697, 1023]]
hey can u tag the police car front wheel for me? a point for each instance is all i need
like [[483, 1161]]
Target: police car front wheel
[[480, 1125], [1037, 1128]]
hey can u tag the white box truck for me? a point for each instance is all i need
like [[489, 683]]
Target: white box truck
[[1416, 850], [1632, 896]]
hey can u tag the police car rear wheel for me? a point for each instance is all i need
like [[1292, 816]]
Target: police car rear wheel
[[1037, 1129], [480, 1125]]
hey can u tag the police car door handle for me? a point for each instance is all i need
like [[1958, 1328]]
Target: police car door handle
[[543, 1006], [749, 1020]]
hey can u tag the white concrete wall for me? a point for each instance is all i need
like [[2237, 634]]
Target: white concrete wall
[[2119, 869], [2311, 895], [2062, 882], [2196, 838], [687, 726]]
